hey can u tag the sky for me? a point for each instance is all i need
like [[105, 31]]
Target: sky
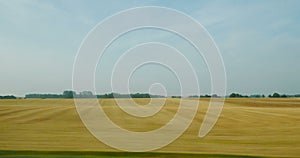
[[259, 42]]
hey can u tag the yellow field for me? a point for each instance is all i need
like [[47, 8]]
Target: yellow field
[[261, 127]]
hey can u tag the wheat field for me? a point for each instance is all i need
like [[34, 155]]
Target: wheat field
[[246, 127]]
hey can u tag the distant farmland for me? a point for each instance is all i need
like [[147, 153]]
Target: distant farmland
[[250, 127]]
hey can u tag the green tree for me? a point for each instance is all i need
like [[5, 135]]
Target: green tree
[[69, 94], [276, 95]]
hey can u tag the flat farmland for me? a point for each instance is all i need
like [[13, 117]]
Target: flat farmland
[[247, 127]]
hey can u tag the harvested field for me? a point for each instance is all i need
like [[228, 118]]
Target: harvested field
[[249, 127]]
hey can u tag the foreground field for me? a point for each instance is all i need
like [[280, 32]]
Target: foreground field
[[253, 127]]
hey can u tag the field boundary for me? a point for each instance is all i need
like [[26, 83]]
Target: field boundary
[[32, 153]]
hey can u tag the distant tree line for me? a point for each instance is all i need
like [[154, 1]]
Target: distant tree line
[[205, 96], [175, 96], [277, 95], [66, 94], [44, 96], [89, 94], [237, 95], [135, 95], [8, 97], [274, 95]]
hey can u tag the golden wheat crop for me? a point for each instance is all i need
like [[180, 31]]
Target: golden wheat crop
[[262, 127]]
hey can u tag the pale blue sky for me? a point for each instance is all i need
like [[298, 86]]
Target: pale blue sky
[[259, 42]]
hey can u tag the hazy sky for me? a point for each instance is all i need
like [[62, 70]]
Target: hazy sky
[[259, 42]]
